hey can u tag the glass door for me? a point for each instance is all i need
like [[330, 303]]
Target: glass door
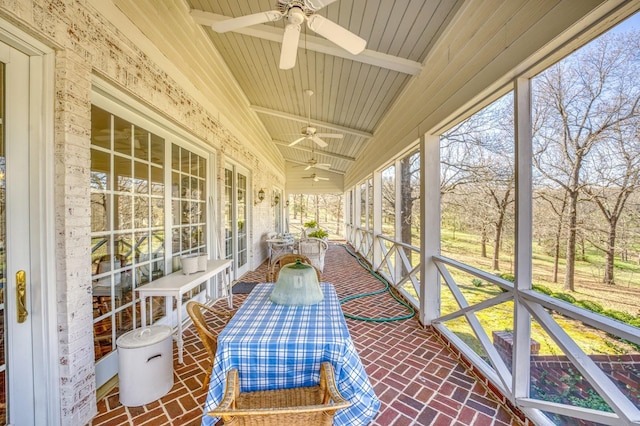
[[16, 351], [236, 217]]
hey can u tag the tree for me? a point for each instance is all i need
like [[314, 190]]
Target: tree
[[479, 163], [578, 103], [409, 193], [615, 173], [556, 203]]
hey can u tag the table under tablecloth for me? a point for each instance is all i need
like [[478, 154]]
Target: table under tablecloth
[[276, 346]]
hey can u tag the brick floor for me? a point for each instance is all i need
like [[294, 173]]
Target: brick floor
[[418, 380]]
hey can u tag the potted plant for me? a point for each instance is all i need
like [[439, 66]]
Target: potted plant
[[319, 233], [310, 224]]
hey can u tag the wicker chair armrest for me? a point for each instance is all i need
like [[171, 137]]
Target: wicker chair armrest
[[231, 392], [328, 384]]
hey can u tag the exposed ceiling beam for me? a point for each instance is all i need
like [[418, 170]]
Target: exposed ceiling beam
[[315, 151], [332, 170], [317, 44], [286, 115]]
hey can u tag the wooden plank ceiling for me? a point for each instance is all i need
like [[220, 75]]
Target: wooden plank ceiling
[[351, 93]]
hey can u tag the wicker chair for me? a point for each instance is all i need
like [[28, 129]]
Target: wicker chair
[[314, 249], [315, 405], [285, 259], [207, 336]]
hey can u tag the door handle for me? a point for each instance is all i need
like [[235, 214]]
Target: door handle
[[21, 296]]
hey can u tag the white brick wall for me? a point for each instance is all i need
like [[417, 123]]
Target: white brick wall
[[85, 44]]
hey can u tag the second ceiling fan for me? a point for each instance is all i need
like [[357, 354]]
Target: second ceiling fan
[[295, 12], [309, 132]]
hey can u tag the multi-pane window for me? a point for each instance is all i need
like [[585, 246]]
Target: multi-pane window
[[128, 227], [127, 217]]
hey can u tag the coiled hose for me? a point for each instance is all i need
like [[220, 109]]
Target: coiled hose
[[374, 293]]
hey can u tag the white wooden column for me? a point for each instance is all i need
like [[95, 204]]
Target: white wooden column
[[429, 227], [523, 236]]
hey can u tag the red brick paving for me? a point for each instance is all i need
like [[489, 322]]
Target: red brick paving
[[418, 380]]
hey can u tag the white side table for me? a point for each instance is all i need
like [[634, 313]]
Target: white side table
[[176, 284]]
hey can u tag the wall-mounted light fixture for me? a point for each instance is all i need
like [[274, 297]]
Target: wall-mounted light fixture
[[275, 199], [286, 203], [260, 197]]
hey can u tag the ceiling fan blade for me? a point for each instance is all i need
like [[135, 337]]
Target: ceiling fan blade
[[289, 46], [330, 135], [337, 34], [321, 178], [319, 4], [297, 141], [323, 166], [246, 21], [308, 167], [319, 141]]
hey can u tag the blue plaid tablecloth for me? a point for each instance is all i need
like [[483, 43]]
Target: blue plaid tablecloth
[[275, 347]]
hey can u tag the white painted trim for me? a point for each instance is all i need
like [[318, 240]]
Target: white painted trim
[[429, 227], [45, 326], [521, 350]]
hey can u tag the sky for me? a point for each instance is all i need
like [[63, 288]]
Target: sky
[[632, 22]]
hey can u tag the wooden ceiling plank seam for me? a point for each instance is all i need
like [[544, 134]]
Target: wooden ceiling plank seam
[[369, 14], [379, 86], [417, 38], [343, 88], [380, 23], [356, 11], [403, 30], [362, 89], [327, 77], [396, 82], [440, 14]]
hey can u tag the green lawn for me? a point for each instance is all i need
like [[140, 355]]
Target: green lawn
[[466, 248]]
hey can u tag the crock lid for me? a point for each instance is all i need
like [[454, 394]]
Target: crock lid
[[145, 336]]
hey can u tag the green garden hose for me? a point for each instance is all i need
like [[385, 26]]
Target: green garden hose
[[374, 293]]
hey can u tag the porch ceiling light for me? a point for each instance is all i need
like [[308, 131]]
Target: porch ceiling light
[[260, 197], [275, 200]]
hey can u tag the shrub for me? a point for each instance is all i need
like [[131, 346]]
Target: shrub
[[507, 276], [564, 296], [476, 282], [542, 289], [310, 224], [635, 322], [592, 306], [320, 233], [618, 315]]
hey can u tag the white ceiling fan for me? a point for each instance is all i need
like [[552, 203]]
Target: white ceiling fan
[[309, 132], [315, 177], [295, 12], [313, 164]]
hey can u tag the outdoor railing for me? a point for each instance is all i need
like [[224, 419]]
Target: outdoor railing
[[400, 267], [522, 380]]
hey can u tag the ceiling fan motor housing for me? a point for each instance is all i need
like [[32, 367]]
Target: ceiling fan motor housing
[[306, 6], [308, 131]]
